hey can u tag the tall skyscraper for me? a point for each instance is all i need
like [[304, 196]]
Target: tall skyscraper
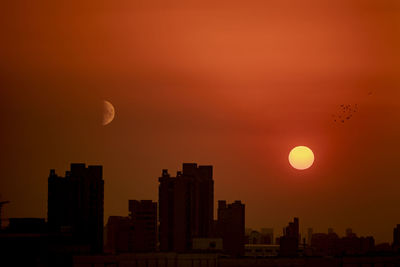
[[166, 211], [75, 204], [396, 237], [289, 242], [231, 226], [185, 207], [292, 230]]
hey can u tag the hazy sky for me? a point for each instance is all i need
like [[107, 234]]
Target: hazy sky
[[234, 84]]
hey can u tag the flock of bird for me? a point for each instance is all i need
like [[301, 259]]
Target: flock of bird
[[345, 113]]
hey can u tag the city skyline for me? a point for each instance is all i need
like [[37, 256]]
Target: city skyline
[[180, 228], [59, 190]]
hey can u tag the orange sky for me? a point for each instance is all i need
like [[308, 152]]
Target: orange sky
[[235, 84]]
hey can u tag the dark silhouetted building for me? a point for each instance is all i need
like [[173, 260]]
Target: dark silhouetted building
[[231, 227], [289, 242], [119, 235], [310, 232], [27, 242], [396, 238], [267, 236], [75, 204], [383, 248], [2, 203], [136, 233], [331, 245], [185, 207], [24, 243], [27, 225], [143, 215], [253, 237], [166, 191], [349, 233], [325, 244], [353, 245]]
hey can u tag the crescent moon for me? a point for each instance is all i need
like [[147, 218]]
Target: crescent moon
[[108, 112]]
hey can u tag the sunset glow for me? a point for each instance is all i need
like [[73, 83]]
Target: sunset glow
[[142, 86]]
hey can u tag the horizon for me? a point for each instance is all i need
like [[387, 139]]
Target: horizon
[[277, 230]]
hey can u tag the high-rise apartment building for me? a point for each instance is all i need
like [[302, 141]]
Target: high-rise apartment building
[[289, 242], [231, 226], [185, 207], [396, 237], [75, 204]]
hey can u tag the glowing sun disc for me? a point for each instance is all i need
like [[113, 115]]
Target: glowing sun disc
[[301, 157]]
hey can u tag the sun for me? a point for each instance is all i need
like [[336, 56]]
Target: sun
[[301, 157]]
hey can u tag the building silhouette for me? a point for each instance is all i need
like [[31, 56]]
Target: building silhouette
[[27, 242], [396, 238], [267, 236], [2, 203], [231, 226], [75, 204], [166, 191], [349, 232], [75, 229], [186, 206], [143, 215], [289, 242], [324, 244], [310, 232], [119, 235], [332, 245], [264, 236], [253, 237], [27, 225]]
